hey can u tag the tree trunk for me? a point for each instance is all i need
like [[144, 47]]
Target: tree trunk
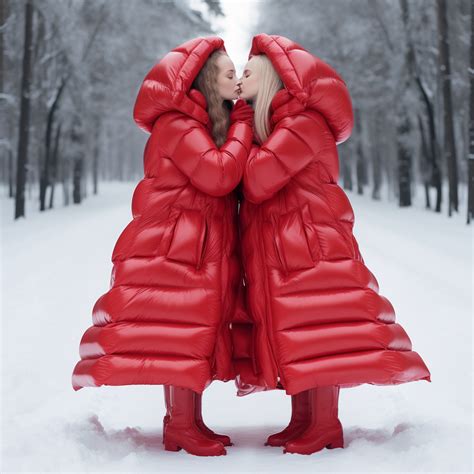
[[5, 127], [45, 172], [404, 153], [425, 170], [404, 164], [346, 162], [470, 205], [77, 179], [449, 148], [95, 158], [360, 165], [376, 122], [23, 136], [54, 165]]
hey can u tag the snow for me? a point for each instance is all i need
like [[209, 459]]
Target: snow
[[57, 263]]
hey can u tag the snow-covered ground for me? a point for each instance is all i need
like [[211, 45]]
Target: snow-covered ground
[[56, 264]]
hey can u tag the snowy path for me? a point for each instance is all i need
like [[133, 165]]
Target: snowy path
[[56, 265]]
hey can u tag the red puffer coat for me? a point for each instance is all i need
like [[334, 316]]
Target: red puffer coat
[[315, 313], [176, 271]]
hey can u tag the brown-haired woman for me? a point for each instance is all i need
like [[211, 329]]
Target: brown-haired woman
[[176, 275]]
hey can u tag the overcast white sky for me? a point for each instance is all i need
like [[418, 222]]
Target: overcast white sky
[[234, 29]]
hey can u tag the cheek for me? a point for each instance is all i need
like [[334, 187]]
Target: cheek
[[227, 84]]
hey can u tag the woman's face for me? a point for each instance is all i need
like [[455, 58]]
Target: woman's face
[[226, 78], [248, 83]]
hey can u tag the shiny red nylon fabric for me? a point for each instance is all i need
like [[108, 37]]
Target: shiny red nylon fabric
[[315, 315], [176, 269]]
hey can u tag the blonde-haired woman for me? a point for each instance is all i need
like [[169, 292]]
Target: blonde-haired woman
[[165, 319], [315, 321]]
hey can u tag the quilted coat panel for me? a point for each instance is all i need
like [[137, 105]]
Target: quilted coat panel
[[315, 314], [176, 266]]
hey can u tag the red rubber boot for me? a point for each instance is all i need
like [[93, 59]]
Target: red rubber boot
[[166, 418], [300, 418], [325, 429], [224, 439], [181, 429]]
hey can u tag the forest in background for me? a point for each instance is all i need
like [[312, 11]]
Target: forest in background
[[70, 71]]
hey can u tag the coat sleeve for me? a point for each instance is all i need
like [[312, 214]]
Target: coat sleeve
[[295, 142], [212, 170]]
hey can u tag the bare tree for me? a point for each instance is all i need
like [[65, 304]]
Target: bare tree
[[46, 172], [449, 148], [54, 165], [6, 152], [470, 205], [23, 139], [430, 156]]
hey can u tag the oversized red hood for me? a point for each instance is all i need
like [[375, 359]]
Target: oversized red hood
[[310, 83], [167, 86]]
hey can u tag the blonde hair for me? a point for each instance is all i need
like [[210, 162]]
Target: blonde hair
[[218, 110], [269, 84]]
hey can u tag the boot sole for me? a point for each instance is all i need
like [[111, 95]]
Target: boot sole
[[336, 443], [173, 446], [202, 431]]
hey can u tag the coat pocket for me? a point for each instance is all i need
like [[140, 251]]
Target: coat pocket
[[291, 242], [188, 238]]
